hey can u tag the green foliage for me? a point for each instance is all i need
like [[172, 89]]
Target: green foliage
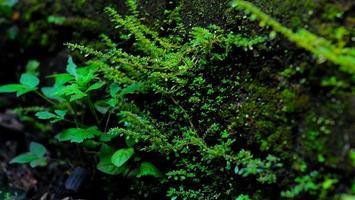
[[35, 157], [5, 195], [148, 169], [32, 67], [77, 135], [71, 67], [58, 115], [6, 10], [243, 197], [121, 156], [204, 112], [352, 157], [105, 165], [28, 83]]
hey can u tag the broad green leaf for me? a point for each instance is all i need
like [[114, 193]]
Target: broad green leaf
[[29, 80], [106, 151], [121, 156], [18, 88], [96, 86], [72, 68], [45, 115], [148, 169], [24, 158], [10, 88], [39, 162], [76, 135], [105, 165], [52, 92], [24, 90], [37, 149]]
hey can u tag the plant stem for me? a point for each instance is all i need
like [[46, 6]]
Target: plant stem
[[74, 114], [92, 109], [45, 98]]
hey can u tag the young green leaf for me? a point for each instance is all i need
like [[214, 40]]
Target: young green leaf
[[148, 169], [121, 156], [76, 135], [71, 67], [35, 157], [37, 149], [45, 115], [24, 158], [29, 80], [39, 162]]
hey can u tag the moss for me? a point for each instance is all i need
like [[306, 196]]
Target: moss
[[204, 12]]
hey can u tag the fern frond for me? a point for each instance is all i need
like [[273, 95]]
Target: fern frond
[[317, 45], [133, 7]]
